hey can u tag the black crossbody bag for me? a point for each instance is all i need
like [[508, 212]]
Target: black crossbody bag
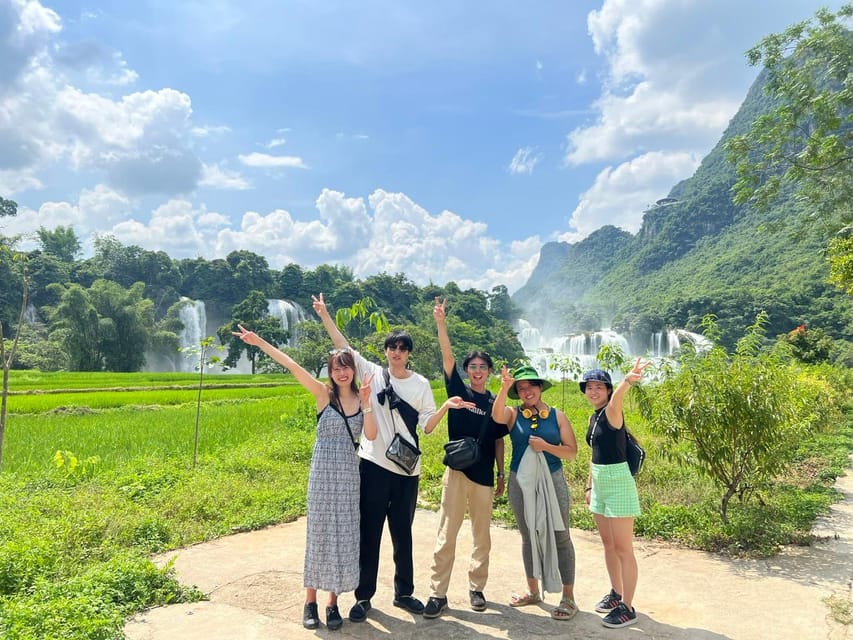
[[401, 452]]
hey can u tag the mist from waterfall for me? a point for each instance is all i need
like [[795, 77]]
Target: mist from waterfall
[[548, 353]]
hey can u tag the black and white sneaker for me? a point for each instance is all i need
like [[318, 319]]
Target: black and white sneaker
[[608, 603], [434, 607], [621, 616]]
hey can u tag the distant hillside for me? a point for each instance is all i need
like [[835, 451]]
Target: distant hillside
[[696, 253]]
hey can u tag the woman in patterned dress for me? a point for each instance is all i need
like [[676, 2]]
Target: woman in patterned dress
[[343, 412]]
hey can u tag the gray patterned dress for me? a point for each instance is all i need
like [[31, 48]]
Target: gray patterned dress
[[331, 550]]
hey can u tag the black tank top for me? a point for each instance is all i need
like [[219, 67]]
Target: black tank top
[[608, 444]]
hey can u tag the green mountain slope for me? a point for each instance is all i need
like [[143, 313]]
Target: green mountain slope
[[696, 253]]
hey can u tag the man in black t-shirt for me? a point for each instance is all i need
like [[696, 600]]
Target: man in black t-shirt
[[470, 489]]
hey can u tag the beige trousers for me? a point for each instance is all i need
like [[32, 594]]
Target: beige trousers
[[458, 494]]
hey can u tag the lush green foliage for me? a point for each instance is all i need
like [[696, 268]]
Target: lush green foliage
[[91, 486], [738, 417], [804, 143]]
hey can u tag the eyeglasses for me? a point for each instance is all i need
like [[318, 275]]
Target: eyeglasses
[[478, 367], [335, 352], [398, 347]]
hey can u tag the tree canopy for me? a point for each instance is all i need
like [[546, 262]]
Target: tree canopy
[[804, 143]]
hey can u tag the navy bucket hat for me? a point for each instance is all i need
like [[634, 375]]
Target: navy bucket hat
[[599, 375]]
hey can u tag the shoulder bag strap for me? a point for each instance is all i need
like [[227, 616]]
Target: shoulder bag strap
[[412, 431], [343, 413]]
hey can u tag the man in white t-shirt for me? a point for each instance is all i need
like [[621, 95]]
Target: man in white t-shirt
[[387, 491]]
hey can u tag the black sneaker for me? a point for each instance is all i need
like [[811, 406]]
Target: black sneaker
[[478, 600], [333, 618], [608, 603], [310, 617], [621, 616], [434, 607], [410, 604], [359, 610]]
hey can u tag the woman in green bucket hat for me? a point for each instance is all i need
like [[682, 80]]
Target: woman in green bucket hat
[[542, 437]]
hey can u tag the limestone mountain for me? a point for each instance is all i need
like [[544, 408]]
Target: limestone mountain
[[696, 253]]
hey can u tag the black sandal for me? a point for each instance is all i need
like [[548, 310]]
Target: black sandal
[[333, 618], [310, 616]]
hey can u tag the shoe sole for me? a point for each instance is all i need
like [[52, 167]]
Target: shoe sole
[[430, 616], [478, 607], [603, 610], [616, 625], [406, 607]]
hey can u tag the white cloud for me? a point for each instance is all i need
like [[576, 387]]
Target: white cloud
[[676, 73], [217, 177], [524, 161], [266, 160], [210, 131], [619, 196]]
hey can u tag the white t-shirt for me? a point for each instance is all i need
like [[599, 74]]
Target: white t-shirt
[[415, 390]]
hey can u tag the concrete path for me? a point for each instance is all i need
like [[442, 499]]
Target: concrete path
[[254, 581]]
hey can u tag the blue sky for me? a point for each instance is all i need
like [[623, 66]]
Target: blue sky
[[447, 140]]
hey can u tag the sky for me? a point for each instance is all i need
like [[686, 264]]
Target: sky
[[445, 140]]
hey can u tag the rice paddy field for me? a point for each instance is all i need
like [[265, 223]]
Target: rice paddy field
[[99, 471]]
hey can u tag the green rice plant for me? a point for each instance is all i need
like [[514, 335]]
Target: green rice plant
[[65, 402]]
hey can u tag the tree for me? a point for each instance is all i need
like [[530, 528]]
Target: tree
[[76, 322], [253, 313], [804, 143], [251, 271], [740, 415], [502, 306], [290, 282], [312, 350], [106, 327], [62, 242], [8, 208], [125, 319], [7, 356]]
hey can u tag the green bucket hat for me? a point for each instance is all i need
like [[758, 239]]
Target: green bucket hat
[[526, 372]]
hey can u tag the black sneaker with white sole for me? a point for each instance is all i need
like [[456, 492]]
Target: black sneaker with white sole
[[609, 602], [621, 616]]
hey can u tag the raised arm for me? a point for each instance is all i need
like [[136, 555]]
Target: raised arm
[[447, 361], [338, 338], [319, 390], [501, 413], [614, 407]]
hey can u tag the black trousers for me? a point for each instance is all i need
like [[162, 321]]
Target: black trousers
[[391, 496]]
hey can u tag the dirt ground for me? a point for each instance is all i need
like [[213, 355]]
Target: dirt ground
[[254, 582]]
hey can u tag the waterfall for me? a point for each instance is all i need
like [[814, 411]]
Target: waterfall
[[548, 355], [194, 317], [289, 315], [31, 315]]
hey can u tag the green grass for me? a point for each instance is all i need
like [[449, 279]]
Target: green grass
[[76, 528]]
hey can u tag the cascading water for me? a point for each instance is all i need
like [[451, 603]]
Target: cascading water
[[194, 316], [289, 315], [549, 355]]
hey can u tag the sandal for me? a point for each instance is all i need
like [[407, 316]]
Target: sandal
[[522, 600], [566, 610]]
